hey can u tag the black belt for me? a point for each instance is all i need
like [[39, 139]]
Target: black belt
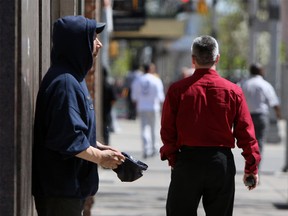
[[186, 148]]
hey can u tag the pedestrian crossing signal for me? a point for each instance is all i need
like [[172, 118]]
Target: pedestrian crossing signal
[[202, 7]]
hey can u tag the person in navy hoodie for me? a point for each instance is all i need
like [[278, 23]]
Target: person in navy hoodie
[[65, 150]]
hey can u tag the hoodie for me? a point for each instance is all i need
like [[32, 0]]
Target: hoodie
[[64, 122]]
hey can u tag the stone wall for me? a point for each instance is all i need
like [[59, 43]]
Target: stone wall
[[94, 76], [27, 85], [25, 32], [8, 107]]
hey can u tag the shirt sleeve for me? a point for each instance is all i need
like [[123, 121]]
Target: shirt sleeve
[[160, 91], [271, 95], [245, 137], [168, 128], [67, 118]]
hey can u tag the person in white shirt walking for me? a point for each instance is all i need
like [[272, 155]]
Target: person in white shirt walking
[[260, 96], [148, 94]]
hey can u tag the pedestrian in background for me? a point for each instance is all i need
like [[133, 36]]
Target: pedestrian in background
[[109, 98], [131, 106], [201, 118], [260, 96], [65, 150], [148, 94]]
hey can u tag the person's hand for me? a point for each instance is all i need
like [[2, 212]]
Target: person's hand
[[106, 147], [255, 183], [106, 158], [110, 159]]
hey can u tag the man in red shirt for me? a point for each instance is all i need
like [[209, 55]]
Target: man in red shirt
[[203, 117]]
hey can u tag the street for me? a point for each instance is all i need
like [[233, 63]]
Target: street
[[147, 195]]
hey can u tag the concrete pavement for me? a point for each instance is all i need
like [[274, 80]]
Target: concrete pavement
[[147, 195]]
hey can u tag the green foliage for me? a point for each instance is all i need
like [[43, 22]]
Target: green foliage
[[233, 40], [232, 35], [121, 65]]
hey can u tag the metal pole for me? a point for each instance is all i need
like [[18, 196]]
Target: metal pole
[[274, 29], [284, 104], [253, 6], [214, 19], [273, 72]]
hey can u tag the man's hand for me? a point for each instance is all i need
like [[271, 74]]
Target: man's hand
[[105, 147], [110, 159], [254, 177], [106, 158]]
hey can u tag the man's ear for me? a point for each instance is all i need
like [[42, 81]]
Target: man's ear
[[217, 59], [193, 60]]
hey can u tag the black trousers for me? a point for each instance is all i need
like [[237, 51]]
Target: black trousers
[[207, 173], [59, 206]]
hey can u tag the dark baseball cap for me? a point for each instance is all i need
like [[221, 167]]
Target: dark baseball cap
[[99, 27]]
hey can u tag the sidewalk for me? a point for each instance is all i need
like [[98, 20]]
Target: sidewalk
[[147, 195]]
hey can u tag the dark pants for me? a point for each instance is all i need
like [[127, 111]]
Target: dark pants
[[59, 206], [131, 105], [261, 122], [207, 173], [107, 122]]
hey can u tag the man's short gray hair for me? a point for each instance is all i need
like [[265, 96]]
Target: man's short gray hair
[[205, 50]]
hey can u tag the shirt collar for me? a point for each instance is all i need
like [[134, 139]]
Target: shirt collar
[[257, 76], [202, 71]]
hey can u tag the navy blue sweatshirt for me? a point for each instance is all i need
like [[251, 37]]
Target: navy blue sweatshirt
[[64, 118]]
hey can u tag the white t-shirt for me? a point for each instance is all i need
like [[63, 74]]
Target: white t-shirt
[[260, 94], [147, 92]]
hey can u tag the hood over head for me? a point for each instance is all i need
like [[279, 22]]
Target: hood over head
[[73, 38]]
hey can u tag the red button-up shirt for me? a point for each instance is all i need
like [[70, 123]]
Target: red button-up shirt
[[207, 110]]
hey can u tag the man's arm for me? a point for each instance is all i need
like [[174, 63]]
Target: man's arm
[[277, 111], [106, 158], [245, 135], [168, 129]]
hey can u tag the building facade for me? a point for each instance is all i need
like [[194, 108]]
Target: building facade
[[24, 58]]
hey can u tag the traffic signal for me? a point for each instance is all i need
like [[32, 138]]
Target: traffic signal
[[202, 7], [113, 49]]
